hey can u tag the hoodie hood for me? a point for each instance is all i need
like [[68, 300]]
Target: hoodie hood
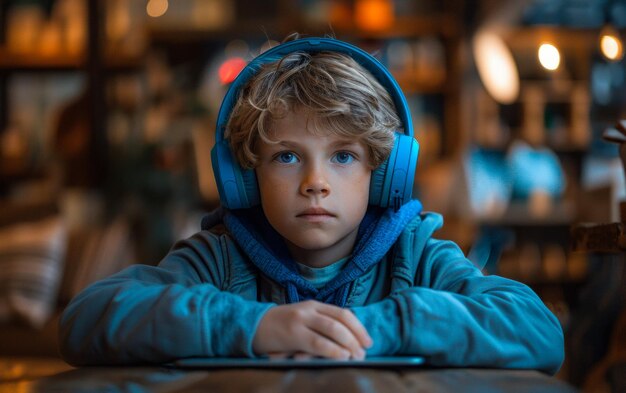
[[267, 250]]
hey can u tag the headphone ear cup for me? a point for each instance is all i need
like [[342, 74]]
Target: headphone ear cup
[[391, 183], [376, 184], [237, 187], [250, 187]]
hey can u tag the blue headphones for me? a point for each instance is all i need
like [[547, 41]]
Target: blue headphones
[[391, 183]]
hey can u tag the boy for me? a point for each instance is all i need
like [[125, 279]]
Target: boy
[[318, 269]]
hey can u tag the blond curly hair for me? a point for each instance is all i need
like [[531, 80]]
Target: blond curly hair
[[338, 95]]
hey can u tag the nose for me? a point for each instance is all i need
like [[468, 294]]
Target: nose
[[314, 182]]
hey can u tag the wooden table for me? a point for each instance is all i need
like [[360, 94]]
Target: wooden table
[[29, 375]]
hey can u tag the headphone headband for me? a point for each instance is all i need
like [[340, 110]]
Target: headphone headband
[[315, 45]]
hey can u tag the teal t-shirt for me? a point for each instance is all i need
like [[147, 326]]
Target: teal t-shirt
[[319, 276]]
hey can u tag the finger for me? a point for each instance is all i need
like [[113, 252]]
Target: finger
[[279, 355], [287, 355], [302, 356], [337, 332], [317, 344], [350, 320]]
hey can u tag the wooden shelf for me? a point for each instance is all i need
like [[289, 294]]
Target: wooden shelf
[[13, 61], [273, 28], [16, 62], [530, 37], [609, 238], [576, 45], [405, 26], [518, 215], [557, 148]]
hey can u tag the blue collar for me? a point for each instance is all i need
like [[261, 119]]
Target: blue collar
[[267, 250]]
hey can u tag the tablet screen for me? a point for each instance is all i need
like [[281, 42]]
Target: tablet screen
[[374, 362]]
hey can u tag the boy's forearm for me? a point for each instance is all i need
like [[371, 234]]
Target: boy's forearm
[[498, 329], [383, 323], [128, 322]]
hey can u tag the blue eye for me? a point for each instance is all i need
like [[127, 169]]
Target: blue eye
[[286, 158], [343, 157]]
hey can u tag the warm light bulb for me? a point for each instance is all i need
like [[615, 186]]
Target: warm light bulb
[[374, 14], [611, 45], [549, 57], [156, 8], [496, 67]]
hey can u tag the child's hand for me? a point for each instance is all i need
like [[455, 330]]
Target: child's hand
[[314, 328]]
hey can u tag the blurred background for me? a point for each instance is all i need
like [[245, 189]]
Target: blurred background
[[107, 112]]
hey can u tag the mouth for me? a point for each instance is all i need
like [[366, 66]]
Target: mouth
[[315, 214]]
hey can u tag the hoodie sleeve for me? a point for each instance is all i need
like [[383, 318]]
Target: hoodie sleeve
[[147, 314], [456, 316]]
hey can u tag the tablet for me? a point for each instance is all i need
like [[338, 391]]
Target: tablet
[[373, 362]]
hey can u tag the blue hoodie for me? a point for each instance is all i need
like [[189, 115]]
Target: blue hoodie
[[414, 294]]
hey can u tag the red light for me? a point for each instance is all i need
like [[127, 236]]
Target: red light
[[230, 69]]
